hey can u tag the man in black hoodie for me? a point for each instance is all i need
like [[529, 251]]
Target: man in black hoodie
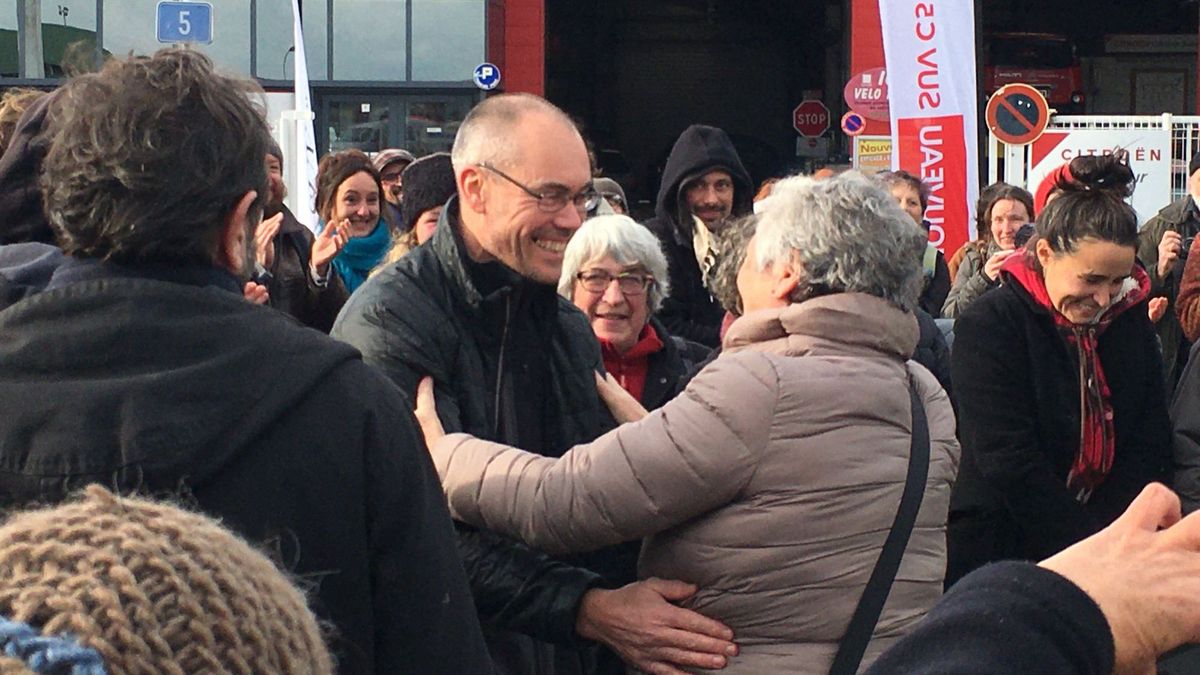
[[141, 366], [703, 185]]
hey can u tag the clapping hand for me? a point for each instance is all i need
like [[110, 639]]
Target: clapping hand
[[264, 240], [328, 244]]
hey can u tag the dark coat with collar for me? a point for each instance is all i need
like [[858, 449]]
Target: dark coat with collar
[[1017, 390], [691, 312], [511, 361], [167, 382], [669, 369]]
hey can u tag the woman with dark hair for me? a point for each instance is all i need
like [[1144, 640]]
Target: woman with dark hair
[[1000, 212], [912, 194], [1057, 376], [348, 194]]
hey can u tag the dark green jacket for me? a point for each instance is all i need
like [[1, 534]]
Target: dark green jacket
[[1180, 216]]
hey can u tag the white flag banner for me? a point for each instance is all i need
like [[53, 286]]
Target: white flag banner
[[929, 48], [302, 187]]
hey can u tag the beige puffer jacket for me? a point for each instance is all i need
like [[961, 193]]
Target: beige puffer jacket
[[771, 482]]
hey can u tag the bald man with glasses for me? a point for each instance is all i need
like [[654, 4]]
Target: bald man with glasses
[[476, 308]]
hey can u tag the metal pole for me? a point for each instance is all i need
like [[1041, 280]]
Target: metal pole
[[33, 59]]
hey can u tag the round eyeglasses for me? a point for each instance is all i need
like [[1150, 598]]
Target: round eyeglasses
[[630, 283]]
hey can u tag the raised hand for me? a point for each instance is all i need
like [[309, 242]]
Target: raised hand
[[328, 244], [1168, 252], [992, 267], [256, 293], [1144, 573], [264, 240]]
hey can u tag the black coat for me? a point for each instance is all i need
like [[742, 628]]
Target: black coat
[[669, 369], [1007, 618], [936, 288], [290, 286], [511, 362], [932, 351], [181, 388], [1017, 390], [690, 311]]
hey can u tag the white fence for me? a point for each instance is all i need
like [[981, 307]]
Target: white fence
[[1160, 147]]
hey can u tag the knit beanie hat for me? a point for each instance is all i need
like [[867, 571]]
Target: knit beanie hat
[[425, 184], [152, 589]]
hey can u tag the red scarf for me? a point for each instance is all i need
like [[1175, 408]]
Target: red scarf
[[630, 368], [1097, 440]]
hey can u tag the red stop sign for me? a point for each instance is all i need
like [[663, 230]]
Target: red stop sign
[[811, 118]]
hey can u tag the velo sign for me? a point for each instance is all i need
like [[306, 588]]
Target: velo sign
[[185, 22], [1017, 114], [811, 118]]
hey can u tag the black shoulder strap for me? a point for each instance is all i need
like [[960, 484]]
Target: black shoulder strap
[[870, 605]]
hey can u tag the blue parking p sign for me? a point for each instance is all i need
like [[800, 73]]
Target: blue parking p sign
[[486, 76], [185, 22]]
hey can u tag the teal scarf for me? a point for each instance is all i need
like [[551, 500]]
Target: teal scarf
[[361, 255]]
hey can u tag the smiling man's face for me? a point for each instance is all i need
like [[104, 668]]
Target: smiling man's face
[[518, 233]]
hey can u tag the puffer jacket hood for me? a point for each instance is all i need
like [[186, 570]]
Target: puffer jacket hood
[[700, 148], [182, 405]]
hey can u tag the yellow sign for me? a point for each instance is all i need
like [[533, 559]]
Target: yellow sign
[[873, 154]]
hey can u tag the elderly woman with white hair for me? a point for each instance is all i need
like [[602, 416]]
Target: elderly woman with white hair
[[773, 481], [615, 272]]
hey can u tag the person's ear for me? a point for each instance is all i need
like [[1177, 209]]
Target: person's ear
[[472, 189], [1044, 253], [787, 278], [232, 252]]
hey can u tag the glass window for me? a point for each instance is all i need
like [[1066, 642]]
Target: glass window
[[449, 38], [129, 26], [68, 36], [275, 39], [368, 40], [9, 66], [364, 123], [431, 124]]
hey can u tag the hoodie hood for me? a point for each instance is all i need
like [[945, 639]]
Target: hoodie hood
[[107, 373], [701, 148]]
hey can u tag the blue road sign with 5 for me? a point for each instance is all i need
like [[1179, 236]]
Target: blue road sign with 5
[[487, 76], [184, 22]]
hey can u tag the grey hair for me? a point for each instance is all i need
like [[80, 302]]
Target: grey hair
[[628, 242], [848, 235], [486, 135]]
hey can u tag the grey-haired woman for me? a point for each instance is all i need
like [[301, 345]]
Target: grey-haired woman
[[772, 481], [615, 272]]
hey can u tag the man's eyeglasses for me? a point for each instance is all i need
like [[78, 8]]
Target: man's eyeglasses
[[553, 200], [630, 283]]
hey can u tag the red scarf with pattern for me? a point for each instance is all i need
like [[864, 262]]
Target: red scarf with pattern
[[1097, 440]]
